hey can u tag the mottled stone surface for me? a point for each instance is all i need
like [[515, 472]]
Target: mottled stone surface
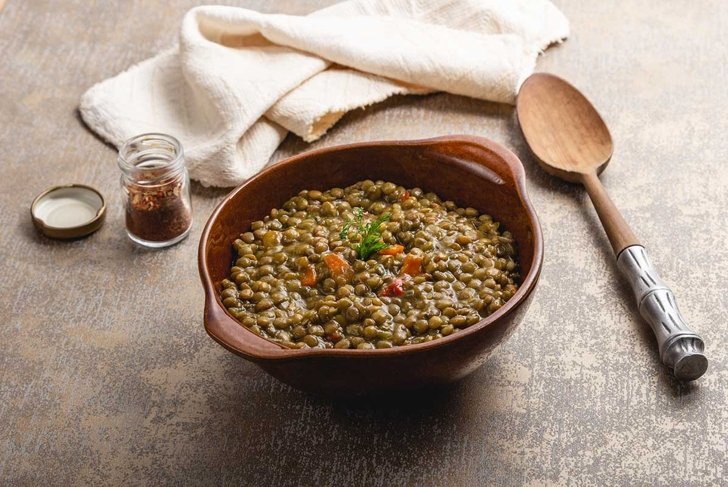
[[107, 376]]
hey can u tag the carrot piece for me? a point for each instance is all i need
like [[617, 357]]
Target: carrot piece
[[392, 250], [338, 266], [412, 265], [309, 276]]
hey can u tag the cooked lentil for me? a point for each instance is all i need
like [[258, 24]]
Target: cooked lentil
[[297, 282]]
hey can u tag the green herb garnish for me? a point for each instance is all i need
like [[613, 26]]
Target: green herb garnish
[[371, 234]]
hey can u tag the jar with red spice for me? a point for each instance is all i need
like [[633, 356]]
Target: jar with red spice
[[156, 190]]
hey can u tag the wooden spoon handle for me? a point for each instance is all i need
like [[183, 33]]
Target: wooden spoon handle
[[681, 349], [619, 233]]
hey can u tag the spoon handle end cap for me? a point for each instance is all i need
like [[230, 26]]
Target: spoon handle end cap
[[687, 359]]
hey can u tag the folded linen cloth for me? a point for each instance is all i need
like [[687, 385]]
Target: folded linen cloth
[[239, 79]]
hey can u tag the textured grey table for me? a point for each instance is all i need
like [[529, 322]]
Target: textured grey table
[[108, 377]]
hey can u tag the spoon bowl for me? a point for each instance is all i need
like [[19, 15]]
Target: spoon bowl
[[563, 129]]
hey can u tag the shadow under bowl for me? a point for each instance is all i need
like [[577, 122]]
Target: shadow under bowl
[[471, 171]]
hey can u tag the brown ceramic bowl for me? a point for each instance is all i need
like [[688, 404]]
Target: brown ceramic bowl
[[471, 171]]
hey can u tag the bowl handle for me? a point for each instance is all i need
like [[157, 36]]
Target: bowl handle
[[512, 169], [227, 332]]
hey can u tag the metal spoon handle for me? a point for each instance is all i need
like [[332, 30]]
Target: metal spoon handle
[[681, 349]]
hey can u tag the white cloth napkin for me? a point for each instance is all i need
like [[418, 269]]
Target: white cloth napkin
[[240, 79]]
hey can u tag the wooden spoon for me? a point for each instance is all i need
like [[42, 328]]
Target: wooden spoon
[[571, 141]]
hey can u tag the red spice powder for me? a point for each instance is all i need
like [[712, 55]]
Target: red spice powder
[[158, 213]]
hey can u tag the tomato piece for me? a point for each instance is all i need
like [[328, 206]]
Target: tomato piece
[[392, 250], [405, 196], [395, 288], [338, 266], [309, 276], [412, 265]]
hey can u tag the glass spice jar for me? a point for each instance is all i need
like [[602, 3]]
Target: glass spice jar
[[156, 189]]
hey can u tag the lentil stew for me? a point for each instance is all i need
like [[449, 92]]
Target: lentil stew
[[372, 265]]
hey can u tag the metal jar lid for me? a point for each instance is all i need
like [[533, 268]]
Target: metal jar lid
[[69, 211]]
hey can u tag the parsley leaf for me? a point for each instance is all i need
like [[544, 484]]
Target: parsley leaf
[[371, 233]]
